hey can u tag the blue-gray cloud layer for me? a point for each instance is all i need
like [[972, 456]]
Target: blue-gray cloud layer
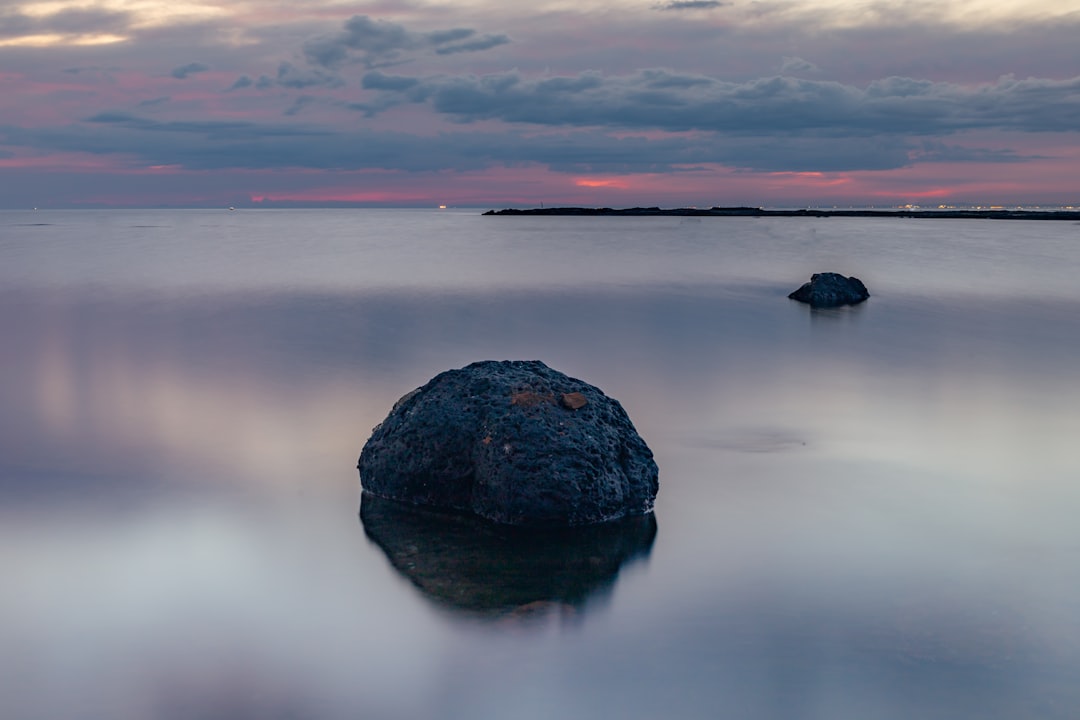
[[88, 20], [377, 43], [663, 100], [185, 71], [691, 5], [220, 145]]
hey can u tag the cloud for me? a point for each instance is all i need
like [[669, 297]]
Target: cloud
[[651, 121], [817, 154], [232, 145], [86, 20], [299, 104], [131, 121], [440, 37], [185, 71], [483, 43], [71, 21], [379, 43], [662, 100], [375, 40], [691, 5], [379, 81], [291, 76], [16, 25], [937, 151], [797, 65], [91, 70]]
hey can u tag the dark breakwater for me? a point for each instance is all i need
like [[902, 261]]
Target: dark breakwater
[[950, 213]]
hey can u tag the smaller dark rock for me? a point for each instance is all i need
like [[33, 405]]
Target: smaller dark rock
[[831, 290]]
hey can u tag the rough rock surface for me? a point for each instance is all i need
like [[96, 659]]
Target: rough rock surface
[[514, 442], [831, 290]]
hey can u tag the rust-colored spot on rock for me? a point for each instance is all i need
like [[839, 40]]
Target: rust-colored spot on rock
[[487, 440], [574, 400], [527, 398]]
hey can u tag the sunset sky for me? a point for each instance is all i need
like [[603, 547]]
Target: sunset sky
[[145, 103]]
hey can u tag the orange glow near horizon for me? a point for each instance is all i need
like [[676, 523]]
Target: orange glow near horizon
[[808, 179], [597, 183]]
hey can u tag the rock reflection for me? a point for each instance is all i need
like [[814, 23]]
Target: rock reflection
[[484, 570]]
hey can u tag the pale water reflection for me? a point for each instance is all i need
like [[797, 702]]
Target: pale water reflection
[[863, 513]]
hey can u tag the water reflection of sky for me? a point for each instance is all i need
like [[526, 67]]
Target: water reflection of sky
[[319, 250], [862, 513]]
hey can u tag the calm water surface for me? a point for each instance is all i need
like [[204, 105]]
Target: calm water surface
[[868, 512]]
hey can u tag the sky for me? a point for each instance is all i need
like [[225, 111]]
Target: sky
[[485, 103]]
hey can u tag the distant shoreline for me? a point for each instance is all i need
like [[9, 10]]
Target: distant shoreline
[[948, 213]]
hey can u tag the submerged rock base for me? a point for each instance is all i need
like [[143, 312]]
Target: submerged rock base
[[471, 566]]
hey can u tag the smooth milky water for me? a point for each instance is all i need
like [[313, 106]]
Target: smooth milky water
[[863, 513]]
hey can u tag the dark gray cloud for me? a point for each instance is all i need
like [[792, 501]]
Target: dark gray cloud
[[441, 37], [662, 100], [376, 80], [104, 72], [86, 20], [691, 5], [185, 71], [242, 82], [482, 43], [16, 24], [817, 154], [791, 65], [291, 76], [375, 41], [399, 90], [299, 104], [379, 43], [937, 151], [131, 121], [74, 21]]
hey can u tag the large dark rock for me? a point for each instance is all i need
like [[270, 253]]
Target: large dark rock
[[831, 290], [514, 442], [475, 567]]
